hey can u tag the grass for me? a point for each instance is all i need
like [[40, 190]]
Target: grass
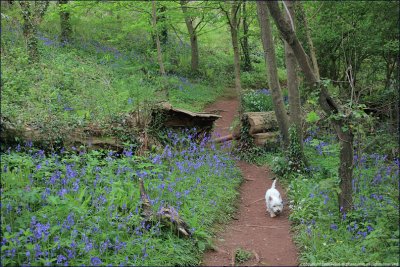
[[75, 208], [89, 81]]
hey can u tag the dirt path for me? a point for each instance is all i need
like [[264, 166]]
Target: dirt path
[[251, 229]]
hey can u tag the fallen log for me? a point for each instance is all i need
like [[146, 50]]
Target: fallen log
[[260, 121], [168, 116], [260, 139], [134, 126], [90, 136]]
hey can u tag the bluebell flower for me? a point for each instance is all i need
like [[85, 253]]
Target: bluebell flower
[[95, 261], [62, 192], [334, 226], [61, 259]]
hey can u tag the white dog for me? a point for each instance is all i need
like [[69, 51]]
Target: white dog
[[273, 200]]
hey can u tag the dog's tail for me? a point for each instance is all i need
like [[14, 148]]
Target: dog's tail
[[273, 183]]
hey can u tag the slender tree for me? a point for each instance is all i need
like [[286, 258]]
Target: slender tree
[[234, 22], [273, 80], [309, 40], [245, 40], [293, 85], [328, 104], [32, 14], [66, 29], [192, 30], [159, 52]]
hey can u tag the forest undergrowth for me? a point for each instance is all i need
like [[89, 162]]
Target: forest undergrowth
[[83, 208], [369, 233]]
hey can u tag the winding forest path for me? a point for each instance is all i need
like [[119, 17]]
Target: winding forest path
[[251, 229]]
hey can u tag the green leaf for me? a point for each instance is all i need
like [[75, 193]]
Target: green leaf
[[312, 117]]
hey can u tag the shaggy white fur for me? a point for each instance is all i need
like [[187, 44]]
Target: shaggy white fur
[[273, 200]]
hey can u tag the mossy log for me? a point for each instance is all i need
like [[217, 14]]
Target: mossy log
[[90, 136], [133, 125]]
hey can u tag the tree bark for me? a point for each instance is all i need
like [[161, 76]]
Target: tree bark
[[235, 44], [193, 37], [327, 104], [293, 85], [161, 18], [309, 41], [270, 60], [32, 14], [158, 44], [66, 29], [245, 43]]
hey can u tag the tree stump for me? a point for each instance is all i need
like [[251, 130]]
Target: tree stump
[[166, 216]]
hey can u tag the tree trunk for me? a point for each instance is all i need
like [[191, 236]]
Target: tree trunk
[[327, 104], [235, 44], [193, 37], [270, 60], [161, 18], [245, 43], [32, 14], [309, 41], [293, 86], [159, 53], [66, 29]]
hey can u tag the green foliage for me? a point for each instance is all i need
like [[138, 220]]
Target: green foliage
[[312, 117], [368, 234], [255, 101], [242, 255], [82, 207]]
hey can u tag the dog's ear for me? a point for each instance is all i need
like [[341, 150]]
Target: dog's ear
[[270, 198]]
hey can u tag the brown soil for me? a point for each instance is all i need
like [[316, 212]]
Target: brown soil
[[251, 229]]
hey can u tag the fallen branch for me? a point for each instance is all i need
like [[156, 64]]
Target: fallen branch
[[257, 258], [255, 202], [261, 226], [220, 250], [233, 261], [226, 138], [236, 229]]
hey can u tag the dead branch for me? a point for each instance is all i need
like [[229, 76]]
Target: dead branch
[[261, 226], [255, 201], [257, 258], [233, 261]]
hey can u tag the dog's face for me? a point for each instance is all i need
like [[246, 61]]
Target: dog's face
[[276, 205]]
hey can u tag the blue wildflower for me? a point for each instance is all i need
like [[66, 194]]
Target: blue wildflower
[[61, 259], [95, 261]]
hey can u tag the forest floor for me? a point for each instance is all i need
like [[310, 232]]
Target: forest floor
[[251, 228]]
